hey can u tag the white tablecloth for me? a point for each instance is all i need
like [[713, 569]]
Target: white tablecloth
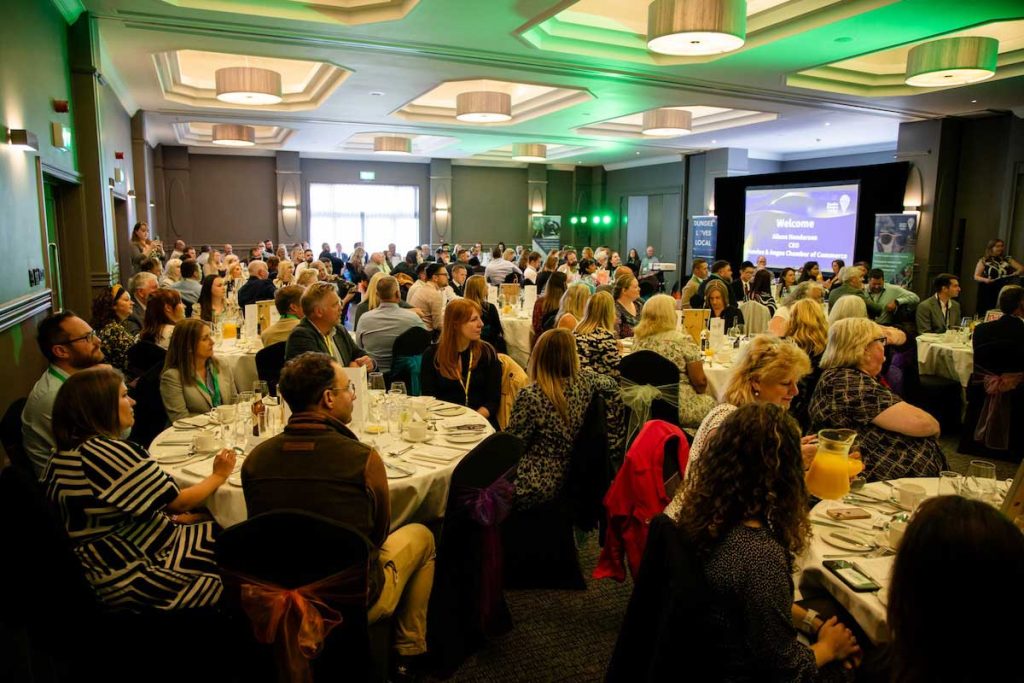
[[945, 359], [418, 498], [240, 360], [868, 609], [718, 376], [517, 336]]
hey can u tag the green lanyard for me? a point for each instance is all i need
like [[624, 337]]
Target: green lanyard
[[56, 373], [289, 316], [214, 395]]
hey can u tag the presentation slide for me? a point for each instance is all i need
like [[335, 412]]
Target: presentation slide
[[792, 225]]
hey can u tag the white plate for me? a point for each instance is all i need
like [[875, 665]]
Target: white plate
[[463, 437], [395, 474], [407, 437], [448, 411], [868, 545], [194, 422]]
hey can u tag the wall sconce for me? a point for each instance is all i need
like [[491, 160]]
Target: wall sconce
[[22, 139], [441, 209], [913, 195]]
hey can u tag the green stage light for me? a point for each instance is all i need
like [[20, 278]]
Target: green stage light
[[573, 220], [607, 220], [583, 219], [597, 220]]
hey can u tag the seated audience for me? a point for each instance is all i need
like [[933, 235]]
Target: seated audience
[[851, 306], [657, 332], [140, 285], [787, 283], [803, 290], [546, 307], [716, 299], [319, 465], [371, 301], [572, 305], [164, 310], [493, 333], [172, 273], [888, 296], [599, 350], [501, 267], [378, 329], [285, 274], [628, 305], [697, 277], [721, 271], [851, 279], [550, 267], [109, 311], [212, 303], [530, 272], [739, 289], [459, 274], [746, 510], [895, 438], [189, 286], [258, 287], [429, 296], [130, 525], [761, 290], [288, 302], [320, 329], [193, 381], [808, 329], [940, 311], [548, 415], [69, 345], [214, 264], [461, 368], [971, 541]]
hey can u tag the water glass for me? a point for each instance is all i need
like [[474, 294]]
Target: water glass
[[981, 480], [949, 483], [398, 388], [375, 381]]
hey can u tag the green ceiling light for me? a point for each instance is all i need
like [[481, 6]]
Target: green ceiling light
[[696, 27], [952, 61], [596, 220], [573, 220], [583, 219], [667, 123], [606, 219]]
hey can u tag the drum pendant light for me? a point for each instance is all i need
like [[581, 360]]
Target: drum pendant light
[[392, 144], [696, 27], [667, 123], [248, 85], [483, 106], [233, 135], [529, 152], [952, 61]]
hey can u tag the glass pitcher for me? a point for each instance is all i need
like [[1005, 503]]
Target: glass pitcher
[[831, 469]]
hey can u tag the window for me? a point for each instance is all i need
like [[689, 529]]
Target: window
[[375, 215]]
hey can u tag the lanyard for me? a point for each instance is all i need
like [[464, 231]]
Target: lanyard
[[288, 316], [56, 373], [214, 395], [330, 347], [469, 377]]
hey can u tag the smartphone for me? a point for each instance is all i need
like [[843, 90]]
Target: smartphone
[[852, 575], [848, 513]]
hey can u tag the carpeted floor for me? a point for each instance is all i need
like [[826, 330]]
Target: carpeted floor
[[570, 635]]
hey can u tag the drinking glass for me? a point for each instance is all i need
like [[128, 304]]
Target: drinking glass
[[259, 390], [981, 479], [398, 388], [949, 483], [377, 416]]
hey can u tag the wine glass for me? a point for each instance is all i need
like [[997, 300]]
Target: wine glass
[[398, 388], [949, 483], [375, 389], [981, 479]]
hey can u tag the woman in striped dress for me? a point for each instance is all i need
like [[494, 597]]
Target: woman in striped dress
[[127, 519]]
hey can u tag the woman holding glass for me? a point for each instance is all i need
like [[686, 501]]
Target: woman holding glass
[[194, 381], [164, 310], [461, 368], [129, 523], [143, 249], [212, 301]]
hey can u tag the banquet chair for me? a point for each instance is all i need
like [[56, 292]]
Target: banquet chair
[[142, 356], [406, 354], [467, 604], [150, 414], [288, 550], [647, 367], [756, 316], [11, 436], [269, 362], [46, 598]]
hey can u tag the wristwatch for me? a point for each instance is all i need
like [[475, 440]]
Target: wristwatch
[[808, 622]]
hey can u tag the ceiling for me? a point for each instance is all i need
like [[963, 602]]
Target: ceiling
[[354, 68]]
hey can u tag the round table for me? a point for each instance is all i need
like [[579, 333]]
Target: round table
[[951, 359], [517, 336], [718, 376], [240, 358], [419, 497], [868, 609]]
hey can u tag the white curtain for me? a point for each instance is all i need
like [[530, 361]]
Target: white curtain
[[375, 215]]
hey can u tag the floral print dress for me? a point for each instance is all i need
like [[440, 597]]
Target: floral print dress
[[680, 349]]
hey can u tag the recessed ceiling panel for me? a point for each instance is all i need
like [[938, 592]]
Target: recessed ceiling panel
[[554, 152], [348, 12], [201, 133], [705, 120], [529, 100], [188, 77], [422, 145]]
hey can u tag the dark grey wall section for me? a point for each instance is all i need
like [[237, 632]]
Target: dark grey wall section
[[338, 171], [836, 161], [233, 199], [489, 205], [641, 180], [560, 194]]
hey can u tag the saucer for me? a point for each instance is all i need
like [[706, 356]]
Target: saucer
[[408, 437], [463, 437]]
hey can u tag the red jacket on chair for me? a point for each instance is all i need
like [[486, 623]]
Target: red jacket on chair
[[637, 496]]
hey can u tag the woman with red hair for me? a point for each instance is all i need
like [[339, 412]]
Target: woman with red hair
[[461, 368]]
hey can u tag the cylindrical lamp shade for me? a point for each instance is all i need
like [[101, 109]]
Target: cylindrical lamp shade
[[952, 61], [529, 152], [248, 85], [667, 123], [483, 106], [233, 135], [392, 144], [696, 27]]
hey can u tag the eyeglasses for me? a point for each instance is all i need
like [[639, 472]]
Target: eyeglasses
[[90, 337], [350, 388]]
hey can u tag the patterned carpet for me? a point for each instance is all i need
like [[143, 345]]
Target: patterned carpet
[[570, 635]]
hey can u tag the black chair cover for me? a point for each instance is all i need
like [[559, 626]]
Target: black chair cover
[[269, 362]]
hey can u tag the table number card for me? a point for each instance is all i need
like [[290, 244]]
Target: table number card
[[695, 320], [251, 321], [359, 406]]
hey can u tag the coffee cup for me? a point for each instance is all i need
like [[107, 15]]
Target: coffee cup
[[896, 531], [205, 443], [417, 430], [225, 413], [909, 496]]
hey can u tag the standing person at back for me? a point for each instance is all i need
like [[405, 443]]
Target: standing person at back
[[648, 262], [69, 344], [940, 311]]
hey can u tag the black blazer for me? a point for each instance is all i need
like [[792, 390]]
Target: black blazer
[[484, 385], [697, 300], [305, 337], [732, 316], [255, 290], [998, 345]]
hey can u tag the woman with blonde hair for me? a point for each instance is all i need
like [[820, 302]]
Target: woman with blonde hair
[[172, 273], [194, 381], [896, 439], [808, 329], [807, 289], [494, 334], [852, 306], [461, 368], [548, 415], [570, 309], [372, 299], [595, 336], [308, 277], [657, 332], [215, 264], [767, 371], [285, 274]]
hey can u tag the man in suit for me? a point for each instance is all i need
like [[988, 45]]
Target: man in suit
[[939, 312], [141, 285], [258, 287], [337, 264], [720, 270], [321, 329], [739, 289], [288, 301]]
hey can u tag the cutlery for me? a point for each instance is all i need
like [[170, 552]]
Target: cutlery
[[854, 541], [831, 524], [845, 524], [430, 465], [396, 468], [398, 453], [840, 556]]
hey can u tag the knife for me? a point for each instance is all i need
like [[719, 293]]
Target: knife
[[854, 541], [398, 469]]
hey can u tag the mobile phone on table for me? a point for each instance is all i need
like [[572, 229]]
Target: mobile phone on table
[[848, 513], [852, 575]]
